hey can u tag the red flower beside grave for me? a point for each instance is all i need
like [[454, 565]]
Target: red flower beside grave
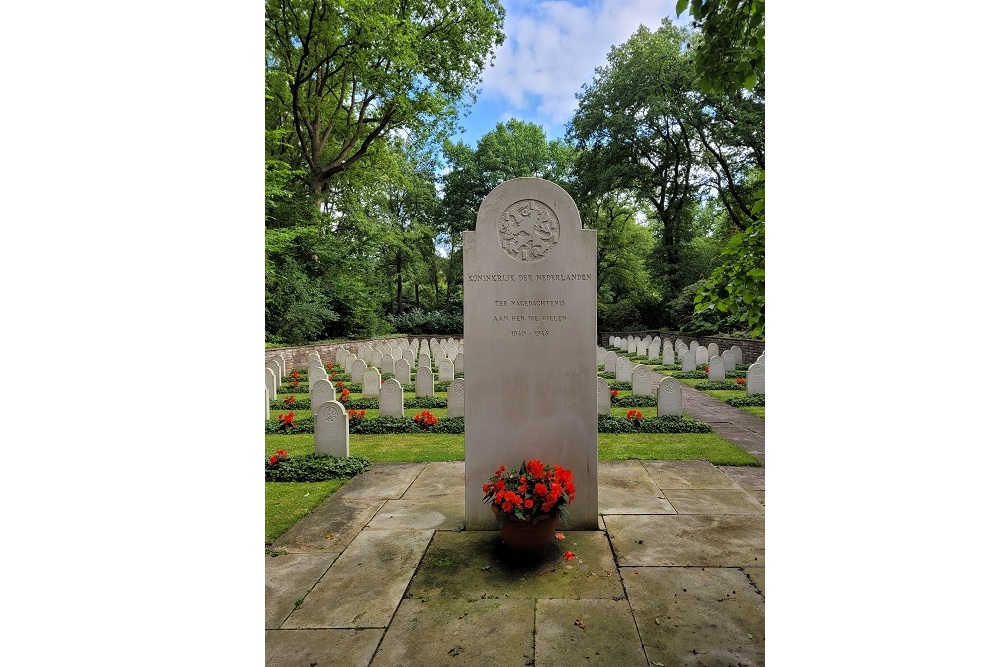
[[344, 395], [339, 385], [289, 400], [741, 380], [614, 393], [329, 366], [425, 419], [569, 555], [295, 373], [295, 384], [354, 416], [541, 490], [634, 416], [277, 457], [286, 420]]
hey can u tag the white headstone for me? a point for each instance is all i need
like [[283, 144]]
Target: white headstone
[[682, 348], [316, 374], [610, 361], [653, 352], [402, 371], [623, 369], [601, 353], [688, 361], [642, 348], [425, 382], [603, 397], [668, 356], [456, 399], [267, 404], [530, 310], [713, 350], [701, 355], [331, 433], [375, 359], [460, 362], [275, 366], [358, 369], [729, 360], [693, 345], [423, 360], [270, 383], [320, 393], [738, 353], [396, 353], [755, 379], [716, 368], [631, 346], [641, 384], [388, 364], [365, 353], [371, 383], [390, 399], [668, 397], [410, 356], [677, 345], [760, 360], [446, 369]]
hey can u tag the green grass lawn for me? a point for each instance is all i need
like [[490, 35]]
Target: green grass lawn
[[287, 502]]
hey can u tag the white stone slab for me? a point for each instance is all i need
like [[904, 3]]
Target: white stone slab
[[456, 398], [738, 352], [446, 369], [358, 369], [331, 434], [713, 350], [701, 355], [530, 310], [402, 371], [641, 381], [668, 397], [460, 363], [716, 368], [668, 356], [728, 360], [623, 369], [425, 383], [755, 379], [688, 361], [611, 361], [372, 382], [390, 399], [603, 397], [653, 352], [270, 383], [320, 393]]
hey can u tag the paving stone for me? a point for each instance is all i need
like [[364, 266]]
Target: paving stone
[[748, 478], [626, 488], [474, 565], [322, 648], [687, 540], [459, 633], [687, 475], [288, 578], [443, 513], [586, 632], [364, 586], [329, 528], [697, 616], [756, 575], [381, 480], [713, 501], [439, 479]]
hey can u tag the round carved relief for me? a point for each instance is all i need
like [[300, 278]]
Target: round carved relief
[[459, 388], [329, 415], [528, 230]]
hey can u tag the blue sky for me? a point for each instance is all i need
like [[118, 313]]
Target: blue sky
[[551, 51]]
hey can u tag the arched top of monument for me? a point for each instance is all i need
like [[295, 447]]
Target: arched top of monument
[[529, 216]]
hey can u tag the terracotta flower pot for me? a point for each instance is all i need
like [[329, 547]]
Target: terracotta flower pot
[[524, 537]]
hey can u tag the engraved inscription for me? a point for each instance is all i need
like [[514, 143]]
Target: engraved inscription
[[528, 230]]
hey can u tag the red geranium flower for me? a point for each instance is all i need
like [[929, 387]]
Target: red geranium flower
[[289, 400], [569, 555]]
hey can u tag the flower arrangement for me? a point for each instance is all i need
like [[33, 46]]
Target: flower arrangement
[[354, 416], [286, 420], [425, 419], [741, 380], [344, 395], [634, 416], [278, 456], [329, 366], [295, 384], [289, 400], [339, 384], [531, 493], [614, 393]]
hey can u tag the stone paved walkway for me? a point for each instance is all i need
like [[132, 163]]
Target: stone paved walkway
[[383, 573]]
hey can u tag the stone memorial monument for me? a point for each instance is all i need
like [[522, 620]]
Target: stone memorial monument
[[530, 312]]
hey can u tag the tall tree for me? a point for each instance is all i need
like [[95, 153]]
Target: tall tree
[[342, 75], [730, 51]]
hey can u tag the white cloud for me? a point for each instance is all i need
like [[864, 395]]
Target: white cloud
[[553, 47]]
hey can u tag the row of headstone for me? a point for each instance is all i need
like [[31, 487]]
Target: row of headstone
[[667, 392]]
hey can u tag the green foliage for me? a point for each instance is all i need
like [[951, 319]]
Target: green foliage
[[633, 401], [673, 424], [685, 319], [717, 384], [425, 402], [418, 322], [622, 316], [315, 468], [298, 404], [730, 53], [361, 403], [274, 426], [387, 425], [756, 400], [620, 385], [737, 285], [614, 424], [691, 375]]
